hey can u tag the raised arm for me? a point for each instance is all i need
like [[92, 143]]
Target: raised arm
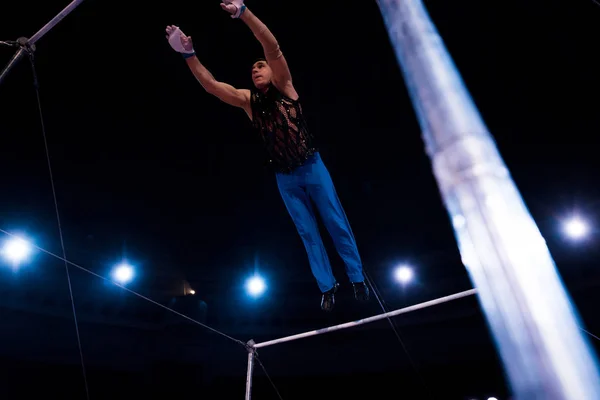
[[282, 78], [225, 92]]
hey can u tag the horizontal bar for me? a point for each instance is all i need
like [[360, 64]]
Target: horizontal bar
[[368, 320], [54, 21]]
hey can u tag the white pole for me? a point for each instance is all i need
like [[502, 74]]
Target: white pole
[[249, 374], [66, 11], [531, 316], [367, 320]]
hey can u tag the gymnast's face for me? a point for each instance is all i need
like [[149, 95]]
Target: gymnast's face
[[261, 74]]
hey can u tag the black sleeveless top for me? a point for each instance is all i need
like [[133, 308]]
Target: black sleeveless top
[[283, 128]]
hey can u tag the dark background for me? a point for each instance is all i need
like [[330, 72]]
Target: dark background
[[149, 167]]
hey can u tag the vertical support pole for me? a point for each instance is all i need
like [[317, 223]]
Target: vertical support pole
[[530, 314], [250, 371]]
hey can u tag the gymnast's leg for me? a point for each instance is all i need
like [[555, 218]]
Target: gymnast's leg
[[297, 202], [322, 191]]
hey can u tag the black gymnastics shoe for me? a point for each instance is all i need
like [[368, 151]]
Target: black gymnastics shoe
[[361, 291], [328, 299]]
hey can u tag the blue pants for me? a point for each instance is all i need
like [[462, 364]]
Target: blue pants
[[312, 181]]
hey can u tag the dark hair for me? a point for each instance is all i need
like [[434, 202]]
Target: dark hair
[[259, 60]]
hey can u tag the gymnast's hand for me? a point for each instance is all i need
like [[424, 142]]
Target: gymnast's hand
[[178, 40], [234, 7]]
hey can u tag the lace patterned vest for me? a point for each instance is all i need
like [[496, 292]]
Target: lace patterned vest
[[283, 129]]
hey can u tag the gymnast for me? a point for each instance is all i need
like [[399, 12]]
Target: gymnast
[[274, 108]]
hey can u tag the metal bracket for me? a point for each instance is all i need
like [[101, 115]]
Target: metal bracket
[[250, 346]]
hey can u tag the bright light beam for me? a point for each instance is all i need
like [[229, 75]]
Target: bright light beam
[[16, 250], [123, 273], [403, 274], [576, 228], [256, 286]]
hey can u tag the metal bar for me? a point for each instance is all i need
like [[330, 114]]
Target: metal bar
[[15, 58], [66, 11], [38, 35], [367, 320], [531, 316], [249, 374]]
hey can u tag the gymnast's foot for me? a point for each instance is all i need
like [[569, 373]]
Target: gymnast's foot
[[361, 291], [328, 299]]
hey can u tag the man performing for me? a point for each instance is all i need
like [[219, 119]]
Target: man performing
[[302, 178]]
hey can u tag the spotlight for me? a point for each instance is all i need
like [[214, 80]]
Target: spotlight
[[123, 273], [16, 250], [403, 274], [256, 286], [576, 228]]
